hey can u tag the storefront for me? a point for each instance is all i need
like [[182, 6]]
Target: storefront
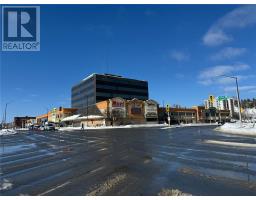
[[150, 111], [117, 111], [135, 111]]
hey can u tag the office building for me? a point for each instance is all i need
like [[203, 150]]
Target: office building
[[100, 87]]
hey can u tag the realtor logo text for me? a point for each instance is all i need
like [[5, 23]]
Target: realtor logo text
[[21, 28]]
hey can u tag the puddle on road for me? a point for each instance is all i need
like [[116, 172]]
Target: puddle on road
[[12, 149]]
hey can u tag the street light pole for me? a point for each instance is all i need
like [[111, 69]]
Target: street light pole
[[5, 113], [238, 95], [87, 110], [5, 110], [239, 102]]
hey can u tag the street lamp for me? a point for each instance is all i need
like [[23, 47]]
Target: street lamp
[[238, 96], [5, 113], [87, 110]]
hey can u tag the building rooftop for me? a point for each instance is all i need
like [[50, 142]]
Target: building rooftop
[[106, 74]]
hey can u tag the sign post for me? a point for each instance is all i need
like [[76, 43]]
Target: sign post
[[168, 113]]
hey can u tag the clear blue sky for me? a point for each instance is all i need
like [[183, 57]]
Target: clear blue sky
[[179, 49]]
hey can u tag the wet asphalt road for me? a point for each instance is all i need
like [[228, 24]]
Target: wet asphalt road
[[138, 161]]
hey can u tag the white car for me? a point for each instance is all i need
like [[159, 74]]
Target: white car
[[49, 127]]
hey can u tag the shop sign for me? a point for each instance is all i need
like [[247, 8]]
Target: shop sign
[[150, 109]]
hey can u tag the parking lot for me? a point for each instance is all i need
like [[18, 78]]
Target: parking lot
[[136, 161]]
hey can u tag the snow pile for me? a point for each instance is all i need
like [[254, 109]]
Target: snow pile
[[238, 128], [5, 184], [172, 192], [7, 132], [190, 125], [68, 128], [250, 113], [22, 129]]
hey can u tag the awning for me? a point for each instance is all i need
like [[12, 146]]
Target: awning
[[70, 118], [91, 117]]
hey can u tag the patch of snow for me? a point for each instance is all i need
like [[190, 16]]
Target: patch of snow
[[91, 117], [22, 129], [238, 128], [7, 132], [250, 114], [109, 184], [190, 125], [172, 192], [5, 184]]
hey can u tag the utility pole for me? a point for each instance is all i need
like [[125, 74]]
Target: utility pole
[[5, 113], [238, 98], [87, 109]]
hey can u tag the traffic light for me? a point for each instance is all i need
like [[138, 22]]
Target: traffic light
[[211, 98], [167, 108]]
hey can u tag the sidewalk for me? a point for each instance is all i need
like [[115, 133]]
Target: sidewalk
[[113, 127]]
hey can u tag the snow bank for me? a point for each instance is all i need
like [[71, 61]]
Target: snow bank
[[7, 132], [112, 127], [238, 128], [250, 112], [22, 129], [190, 125]]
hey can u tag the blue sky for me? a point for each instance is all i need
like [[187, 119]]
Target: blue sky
[[179, 49]]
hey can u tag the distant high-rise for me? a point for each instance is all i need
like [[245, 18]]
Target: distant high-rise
[[99, 87]]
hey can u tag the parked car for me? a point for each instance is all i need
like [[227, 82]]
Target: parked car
[[36, 127], [49, 127], [41, 128]]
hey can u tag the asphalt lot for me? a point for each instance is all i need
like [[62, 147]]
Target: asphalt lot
[[137, 161]]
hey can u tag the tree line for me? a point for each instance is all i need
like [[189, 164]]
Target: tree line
[[248, 103]]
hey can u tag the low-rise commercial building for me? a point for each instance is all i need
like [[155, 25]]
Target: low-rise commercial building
[[178, 115], [21, 122], [214, 115], [116, 111], [200, 113], [41, 119], [55, 115]]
